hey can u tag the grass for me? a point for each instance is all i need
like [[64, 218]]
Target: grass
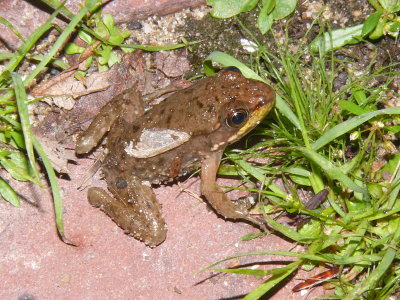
[[307, 146]]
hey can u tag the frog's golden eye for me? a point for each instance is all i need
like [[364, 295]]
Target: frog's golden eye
[[237, 117]]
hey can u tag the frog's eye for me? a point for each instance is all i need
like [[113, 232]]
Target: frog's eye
[[237, 117]]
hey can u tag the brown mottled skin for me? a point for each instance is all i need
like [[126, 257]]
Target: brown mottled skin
[[204, 112]]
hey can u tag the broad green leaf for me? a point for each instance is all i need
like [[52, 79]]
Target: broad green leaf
[[390, 5], [269, 5], [379, 29], [264, 21], [336, 38], [72, 48], [116, 39], [359, 95], [85, 37], [228, 61], [371, 22], [104, 53], [113, 59], [283, 8], [229, 8], [352, 107], [108, 21]]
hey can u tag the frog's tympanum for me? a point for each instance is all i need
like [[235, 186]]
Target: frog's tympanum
[[190, 128]]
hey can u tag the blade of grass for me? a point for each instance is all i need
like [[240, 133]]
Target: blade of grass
[[8, 193], [293, 235], [54, 188], [155, 48], [23, 112], [256, 272], [17, 172], [375, 276], [12, 28], [263, 288], [57, 45], [253, 171], [331, 170], [350, 124], [23, 50], [62, 9]]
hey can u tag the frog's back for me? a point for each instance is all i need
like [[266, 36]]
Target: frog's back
[[199, 112]]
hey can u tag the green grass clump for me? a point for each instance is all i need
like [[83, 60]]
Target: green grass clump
[[320, 137]]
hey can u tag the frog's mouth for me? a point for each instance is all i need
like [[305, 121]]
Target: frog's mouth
[[252, 122]]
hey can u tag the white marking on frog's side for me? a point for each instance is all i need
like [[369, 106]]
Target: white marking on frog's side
[[146, 183], [217, 146], [155, 141]]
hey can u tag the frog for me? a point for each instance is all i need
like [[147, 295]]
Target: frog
[[188, 130]]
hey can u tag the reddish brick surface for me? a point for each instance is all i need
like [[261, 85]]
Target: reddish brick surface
[[108, 264]]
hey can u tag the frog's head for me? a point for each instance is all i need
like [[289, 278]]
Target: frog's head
[[243, 107]]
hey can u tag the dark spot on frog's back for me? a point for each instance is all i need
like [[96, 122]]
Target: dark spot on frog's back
[[211, 108], [121, 183], [169, 119], [199, 104], [135, 128]]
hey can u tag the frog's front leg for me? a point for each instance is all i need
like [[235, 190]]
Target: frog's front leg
[[134, 208], [216, 196], [128, 104]]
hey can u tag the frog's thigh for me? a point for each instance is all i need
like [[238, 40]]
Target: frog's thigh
[[128, 103], [141, 218], [216, 196]]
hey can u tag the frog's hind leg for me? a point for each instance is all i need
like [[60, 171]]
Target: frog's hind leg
[[140, 216], [128, 104], [216, 196]]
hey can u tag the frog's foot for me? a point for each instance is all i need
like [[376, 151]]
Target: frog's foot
[[218, 200], [216, 196], [144, 222]]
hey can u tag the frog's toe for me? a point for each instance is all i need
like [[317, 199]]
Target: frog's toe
[[154, 236]]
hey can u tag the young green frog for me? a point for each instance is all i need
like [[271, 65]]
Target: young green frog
[[189, 128]]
